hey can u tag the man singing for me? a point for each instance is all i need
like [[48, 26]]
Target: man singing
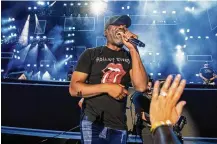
[[102, 77]]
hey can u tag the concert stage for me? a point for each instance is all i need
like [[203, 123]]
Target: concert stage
[[33, 111]]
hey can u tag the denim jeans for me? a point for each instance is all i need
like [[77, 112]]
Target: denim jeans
[[93, 133]]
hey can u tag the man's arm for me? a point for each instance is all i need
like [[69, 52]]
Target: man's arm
[[79, 88], [138, 73], [205, 79]]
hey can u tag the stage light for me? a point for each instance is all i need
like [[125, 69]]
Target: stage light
[[192, 9], [67, 56], [9, 36], [15, 34], [35, 65], [128, 7], [2, 70], [71, 4], [216, 34], [207, 37], [37, 37], [35, 8], [150, 53], [86, 4], [64, 79], [182, 31], [13, 19], [79, 4], [60, 79], [164, 12], [3, 36], [188, 30], [122, 8], [98, 7], [173, 12], [70, 56], [151, 74], [67, 49], [186, 38], [14, 50], [73, 34], [18, 51], [64, 4], [157, 53], [29, 8], [40, 3], [191, 37], [23, 39], [18, 57], [14, 27], [73, 28], [178, 47], [70, 28], [159, 74], [69, 35], [44, 37], [48, 3], [41, 65], [46, 76], [154, 11], [184, 46], [47, 65], [199, 37], [187, 9], [28, 65], [31, 37], [15, 56], [66, 63], [197, 75]]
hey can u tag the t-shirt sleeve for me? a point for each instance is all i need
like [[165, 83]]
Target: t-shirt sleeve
[[84, 62], [201, 71]]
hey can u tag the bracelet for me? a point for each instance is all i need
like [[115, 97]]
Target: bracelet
[[160, 123]]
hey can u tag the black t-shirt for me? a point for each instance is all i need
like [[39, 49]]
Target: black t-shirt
[[207, 72], [104, 65]]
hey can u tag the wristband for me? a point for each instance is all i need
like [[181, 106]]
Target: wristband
[[160, 123]]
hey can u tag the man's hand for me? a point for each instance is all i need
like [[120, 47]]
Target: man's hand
[[125, 38], [164, 105], [80, 103], [117, 91]]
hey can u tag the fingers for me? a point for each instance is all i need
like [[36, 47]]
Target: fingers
[[179, 91], [155, 90], [179, 107], [167, 84], [174, 85]]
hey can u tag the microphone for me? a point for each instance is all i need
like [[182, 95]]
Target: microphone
[[136, 42]]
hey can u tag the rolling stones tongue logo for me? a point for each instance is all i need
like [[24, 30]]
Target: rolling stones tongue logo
[[113, 73]]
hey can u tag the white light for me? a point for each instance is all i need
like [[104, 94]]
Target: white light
[[3, 36], [67, 56], [154, 11], [191, 37], [188, 30], [28, 65], [71, 4], [73, 34], [2, 70], [197, 75], [178, 47], [15, 56], [150, 53], [182, 31], [159, 74], [14, 50], [122, 8], [29, 8], [41, 65], [40, 3], [47, 65], [79, 4], [35, 8], [60, 79], [35, 65], [18, 51], [44, 37], [98, 7], [157, 53], [86, 4], [64, 79], [37, 37], [65, 63], [48, 3], [69, 35], [151, 74], [187, 9], [14, 27], [15, 34], [184, 46], [199, 37], [13, 19], [164, 12], [207, 37], [173, 12], [128, 7], [192, 8], [216, 34], [73, 28], [31, 37], [67, 49], [65, 4], [70, 56], [186, 38], [18, 57]]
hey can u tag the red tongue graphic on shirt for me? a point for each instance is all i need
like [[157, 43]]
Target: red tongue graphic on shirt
[[113, 73]]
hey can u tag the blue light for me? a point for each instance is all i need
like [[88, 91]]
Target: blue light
[[35, 8], [18, 57], [29, 8], [28, 65], [66, 63], [67, 49], [47, 65], [67, 56], [41, 65], [35, 65], [31, 37]]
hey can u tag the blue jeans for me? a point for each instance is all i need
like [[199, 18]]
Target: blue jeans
[[92, 133]]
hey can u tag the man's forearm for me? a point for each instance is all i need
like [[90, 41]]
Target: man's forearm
[[86, 90], [139, 75]]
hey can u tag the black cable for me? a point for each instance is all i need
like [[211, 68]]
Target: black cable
[[44, 140]]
